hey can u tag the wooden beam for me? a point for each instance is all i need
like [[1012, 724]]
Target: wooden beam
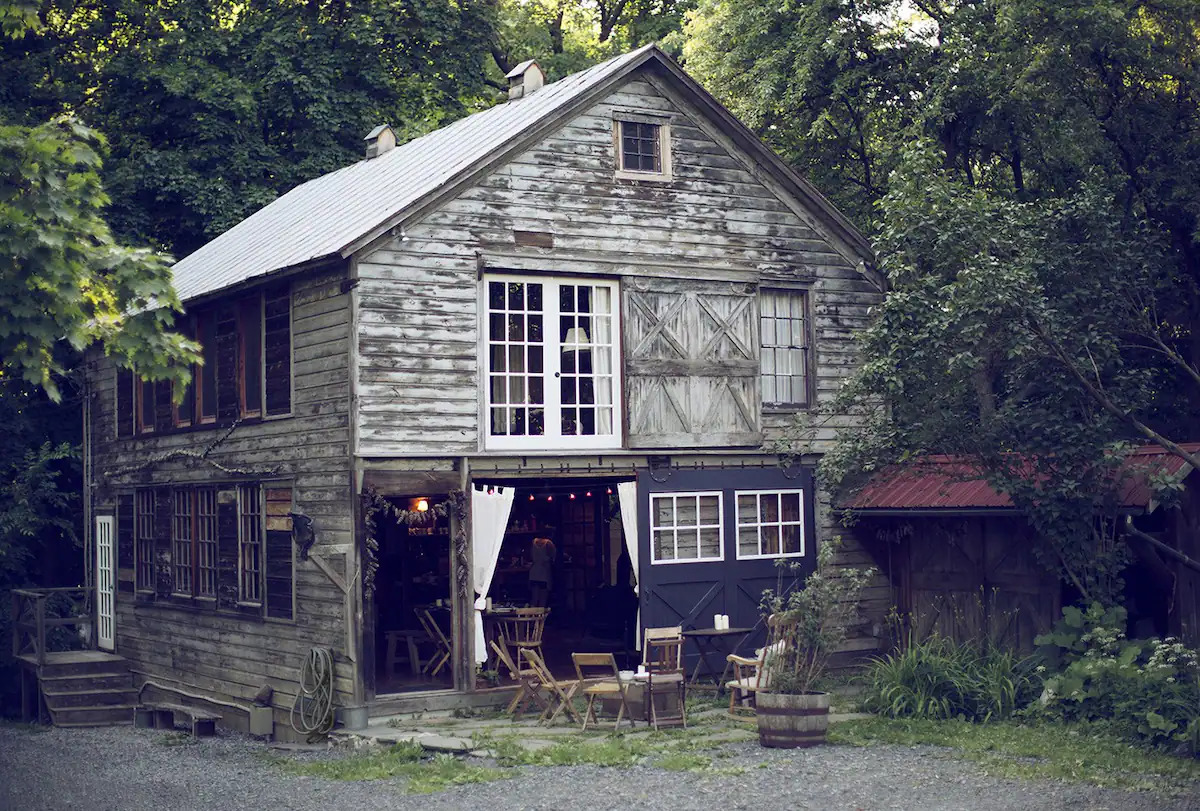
[[1169, 551]]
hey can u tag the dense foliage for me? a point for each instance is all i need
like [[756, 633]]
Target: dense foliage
[[1030, 170], [1084, 671]]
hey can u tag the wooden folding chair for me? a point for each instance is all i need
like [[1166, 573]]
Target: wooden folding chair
[[665, 675], [531, 687], [441, 645], [598, 677], [559, 693]]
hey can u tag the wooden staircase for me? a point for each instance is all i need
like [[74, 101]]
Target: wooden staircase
[[85, 688]]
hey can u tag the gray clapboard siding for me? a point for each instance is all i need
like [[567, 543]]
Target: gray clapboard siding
[[229, 655], [417, 343]]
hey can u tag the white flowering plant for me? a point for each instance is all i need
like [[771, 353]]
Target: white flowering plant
[[1148, 690]]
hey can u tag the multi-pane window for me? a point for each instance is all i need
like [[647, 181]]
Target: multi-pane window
[[770, 523], [641, 147], [143, 539], [685, 527], [250, 543], [182, 540], [550, 360], [206, 542], [784, 347], [194, 541]]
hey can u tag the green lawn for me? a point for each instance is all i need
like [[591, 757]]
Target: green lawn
[[1010, 749]]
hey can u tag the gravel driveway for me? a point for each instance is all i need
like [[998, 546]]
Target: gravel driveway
[[126, 768]]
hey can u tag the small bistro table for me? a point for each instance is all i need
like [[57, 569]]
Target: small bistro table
[[715, 641]]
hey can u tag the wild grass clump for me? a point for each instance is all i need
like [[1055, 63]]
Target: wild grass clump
[[409, 761], [938, 679]]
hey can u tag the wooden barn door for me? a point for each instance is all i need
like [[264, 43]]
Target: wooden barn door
[[685, 510], [691, 364]]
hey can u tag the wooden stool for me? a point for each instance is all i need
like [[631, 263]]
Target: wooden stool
[[396, 655]]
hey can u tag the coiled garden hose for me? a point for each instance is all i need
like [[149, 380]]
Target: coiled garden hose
[[312, 712]]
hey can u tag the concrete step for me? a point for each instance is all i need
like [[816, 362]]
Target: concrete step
[[59, 700], [93, 715], [93, 724], [92, 681]]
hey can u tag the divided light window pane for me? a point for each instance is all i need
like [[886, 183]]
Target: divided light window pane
[[785, 351]]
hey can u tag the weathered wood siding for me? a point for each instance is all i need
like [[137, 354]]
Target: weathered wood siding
[[716, 222], [220, 652], [718, 230]]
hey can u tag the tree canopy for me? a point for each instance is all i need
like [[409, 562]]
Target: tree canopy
[[1029, 171]]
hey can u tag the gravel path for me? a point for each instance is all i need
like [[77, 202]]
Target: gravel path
[[130, 769]]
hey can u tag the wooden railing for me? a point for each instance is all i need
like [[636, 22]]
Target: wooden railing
[[36, 613]]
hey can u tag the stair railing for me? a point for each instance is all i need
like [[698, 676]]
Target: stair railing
[[33, 614]]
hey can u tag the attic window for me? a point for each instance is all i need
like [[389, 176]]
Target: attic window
[[643, 147]]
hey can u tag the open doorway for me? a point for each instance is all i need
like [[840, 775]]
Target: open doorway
[[412, 602], [564, 549]]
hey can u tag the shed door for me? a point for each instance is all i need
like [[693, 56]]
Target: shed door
[[106, 624], [690, 563]]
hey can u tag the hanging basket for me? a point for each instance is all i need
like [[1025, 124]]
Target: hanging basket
[[791, 721]]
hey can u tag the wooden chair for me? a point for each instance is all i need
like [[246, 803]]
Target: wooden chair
[[523, 629], [750, 674], [402, 646], [539, 685], [665, 675], [598, 677], [441, 645], [667, 632]]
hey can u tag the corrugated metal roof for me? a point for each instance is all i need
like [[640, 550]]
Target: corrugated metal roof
[[949, 483], [325, 216]]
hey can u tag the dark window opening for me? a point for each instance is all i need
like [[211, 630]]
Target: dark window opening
[[641, 147], [206, 392], [250, 326]]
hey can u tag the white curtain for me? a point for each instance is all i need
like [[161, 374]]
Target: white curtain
[[489, 518], [627, 496]]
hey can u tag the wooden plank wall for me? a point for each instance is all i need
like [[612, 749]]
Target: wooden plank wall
[[715, 221], [222, 654]]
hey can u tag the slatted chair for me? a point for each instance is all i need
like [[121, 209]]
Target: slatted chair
[[599, 678], [539, 685], [666, 632], [665, 676], [441, 645], [751, 674], [523, 629]]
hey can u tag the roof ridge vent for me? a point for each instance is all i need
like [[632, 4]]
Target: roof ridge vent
[[524, 79], [380, 140]]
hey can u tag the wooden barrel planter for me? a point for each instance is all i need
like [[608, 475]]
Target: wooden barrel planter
[[791, 721]]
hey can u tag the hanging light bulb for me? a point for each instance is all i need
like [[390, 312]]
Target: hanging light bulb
[[423, 505], [588, 494], [532, 497], [549, 498], [609, 491], [572, 497]]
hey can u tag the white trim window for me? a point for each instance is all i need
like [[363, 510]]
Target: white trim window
[[643, 145], [686, 527], [551, 357], [770, 524], [783, 317]]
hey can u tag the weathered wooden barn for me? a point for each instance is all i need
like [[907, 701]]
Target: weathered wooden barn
[[586, 314], [963, 561]]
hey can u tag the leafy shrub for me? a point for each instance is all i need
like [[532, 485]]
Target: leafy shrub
[[937, 678], [1146, 690]]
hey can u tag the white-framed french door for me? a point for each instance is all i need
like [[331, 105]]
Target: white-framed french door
[[106, 583]]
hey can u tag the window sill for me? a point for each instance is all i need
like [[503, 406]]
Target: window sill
[[653, 177], [785, 408]]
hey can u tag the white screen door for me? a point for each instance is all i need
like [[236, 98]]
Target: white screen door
[[105, 583]]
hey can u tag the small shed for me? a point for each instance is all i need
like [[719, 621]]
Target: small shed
[[960, 556]]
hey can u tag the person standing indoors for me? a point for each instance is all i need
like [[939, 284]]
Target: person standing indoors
[[541, 570]]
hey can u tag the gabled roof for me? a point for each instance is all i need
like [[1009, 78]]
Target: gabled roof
[[337, 213], [947, 484]]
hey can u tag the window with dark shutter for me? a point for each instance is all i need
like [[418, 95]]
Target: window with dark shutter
[[279, 557], [124, 405], [125, 533], [146, 406], [183, 411], [277, 351], [143, 539], [250, 329], [206, 389]]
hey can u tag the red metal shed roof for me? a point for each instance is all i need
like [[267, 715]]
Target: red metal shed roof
[[950, 483]]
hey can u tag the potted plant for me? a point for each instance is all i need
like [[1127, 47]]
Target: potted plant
[[807, 623]]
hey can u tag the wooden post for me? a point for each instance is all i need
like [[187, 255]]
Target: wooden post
[[40, 614], [463, 653]]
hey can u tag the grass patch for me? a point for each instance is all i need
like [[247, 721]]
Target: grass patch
[[178, 739], [1043, 751], [404, 760]]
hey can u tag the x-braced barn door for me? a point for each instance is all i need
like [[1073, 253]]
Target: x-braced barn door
[[106, 582]]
